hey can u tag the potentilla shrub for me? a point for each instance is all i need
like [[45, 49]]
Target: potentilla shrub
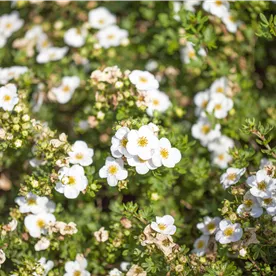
[[137, 138]]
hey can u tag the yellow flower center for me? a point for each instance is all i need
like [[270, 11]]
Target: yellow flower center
[[155, 102], [200, 244], [204, 104], [101, 21], [111, 36], [228, 231], [79, 156], [221, 157], [143, 79], [211, 226], [71, 180], [112, 169], [138, 271], [218, 3], [205, 129], [231, 176], [231, 18], [40, 223], [268, 201], [162, 226], [52, 56], [191, 54], [66, 88], [248, 203], [142, 141], [77, 273], [220, 89], [164, 153], [8, 25], [124, 142], [31, 201], [7, 98], [261, 186], [218, 107]]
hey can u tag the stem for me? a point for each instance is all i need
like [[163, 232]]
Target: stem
[[259, 135]]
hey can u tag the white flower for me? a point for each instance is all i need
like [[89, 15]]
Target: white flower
[[166, 155], [203, 131], [219, 86], [36, 224], [35, 204], [34, 33], [221, 144], [154, 128], [72, 181], [12, 225], [142, 142], [201, 245], [201, 100], [3, 40], [189, 4], [164, 225], [47, 265], [76, 267], [43, 42], [209, 225], [188, 53], [2, 257], [51, 54], [176, 8], [261, 184], [220, 105], [113, 170], [111, 36], [250, 206], [8, 97], [215, 7], [100, 18], [7, 74], [141, 166], [10, 23], [119, 142], [264, 163], [228, 232], [67, 88], [243, 252], [158, 101], [115, 272], [269, 204], [143, 80], [151, 65], [75, 37], [221, 159], [231, 177], [81, 154], [230, 23], [124, 266], [42, 244]]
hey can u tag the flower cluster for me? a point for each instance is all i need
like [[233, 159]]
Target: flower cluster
[[261, 193], [13, 72], [221, 9], [109, 34], [72, 180], [141, 149], [9, 23], [148, 93], [215, 101], [41, 209]]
